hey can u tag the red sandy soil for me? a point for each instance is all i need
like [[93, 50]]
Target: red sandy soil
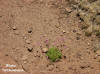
[[26, 25]]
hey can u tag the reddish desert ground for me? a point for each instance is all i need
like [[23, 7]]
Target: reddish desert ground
[[29, 26]]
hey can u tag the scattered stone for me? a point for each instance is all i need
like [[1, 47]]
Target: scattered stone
[[30, 30], [28, 41], [14, 27], [74, 31], [6, 55], [68, 10], [50, 67], [30, 48], [35, 55], [98, 52], [25, 62], [88, 43], [57, 25], [24, 58], [84, 66], [77, 38], [64, 57], [44, 50], [25, 37], [64, 31]]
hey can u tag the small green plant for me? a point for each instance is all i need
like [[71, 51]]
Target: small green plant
[[54, 54]]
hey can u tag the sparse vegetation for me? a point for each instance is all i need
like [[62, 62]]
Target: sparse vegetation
[[89, 12], [98, 33], [88, 34], [54, 54]]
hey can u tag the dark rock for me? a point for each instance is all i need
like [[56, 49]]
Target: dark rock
[[30, 48]]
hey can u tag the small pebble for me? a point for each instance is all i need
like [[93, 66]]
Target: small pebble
[[25, 37], [28, 41], [98, 52], [24, 58], [64, 57], [35, 54], [88, 43], [30, 48], [30, 30], [44, 50], [14, 27], [68, 10], [57, 25], [64, 31], [25, 62], [50, 67], [74, 31], [77, 38], [6, 54]]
